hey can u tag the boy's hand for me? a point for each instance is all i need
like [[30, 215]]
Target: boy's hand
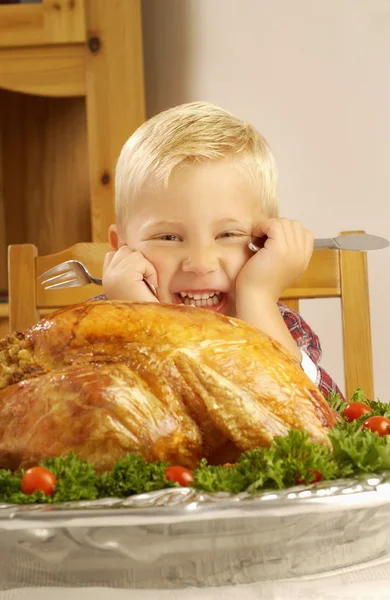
[[262, 280], [123, 274], [284, 257]]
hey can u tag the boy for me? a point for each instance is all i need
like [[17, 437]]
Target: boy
[[194, 186]]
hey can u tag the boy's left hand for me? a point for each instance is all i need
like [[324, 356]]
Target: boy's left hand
[[284, 257]]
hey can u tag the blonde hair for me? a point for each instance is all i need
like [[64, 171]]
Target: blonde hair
[[192, 133]]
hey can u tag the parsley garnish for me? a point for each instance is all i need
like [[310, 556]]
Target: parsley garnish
[[76, 479], [288, 460], [133, 475]]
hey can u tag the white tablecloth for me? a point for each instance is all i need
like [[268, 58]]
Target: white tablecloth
[[371, 582]]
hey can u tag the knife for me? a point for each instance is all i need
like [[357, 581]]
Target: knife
[[351, 241]]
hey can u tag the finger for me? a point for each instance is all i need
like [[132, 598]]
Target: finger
[[150, 273], [261, 228], [145, 268], [303, 242], [278, 230], [287, 233], [107, 260], [296, 235], [260, 233], [309, 244], [303, 237], [123, 255], [300, 242], [269, 232]]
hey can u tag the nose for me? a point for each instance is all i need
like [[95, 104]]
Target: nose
[[201, 261]]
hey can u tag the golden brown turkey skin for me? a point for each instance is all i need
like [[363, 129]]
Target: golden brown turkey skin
[[170, 382], [99, 414]]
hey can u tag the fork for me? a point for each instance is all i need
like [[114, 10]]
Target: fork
[[73, 273]]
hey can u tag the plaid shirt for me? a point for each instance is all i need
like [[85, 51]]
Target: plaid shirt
[[306, 340]]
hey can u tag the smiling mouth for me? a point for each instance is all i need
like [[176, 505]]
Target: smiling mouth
[[210, 299]]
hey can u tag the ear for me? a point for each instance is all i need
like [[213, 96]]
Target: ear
[[115, 238]]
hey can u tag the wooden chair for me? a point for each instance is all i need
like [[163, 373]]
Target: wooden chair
[[331, 274]]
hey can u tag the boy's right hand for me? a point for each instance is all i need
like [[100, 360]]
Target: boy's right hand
[[123, 274]]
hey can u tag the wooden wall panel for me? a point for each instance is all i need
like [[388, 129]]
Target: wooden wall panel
[[45, 195], [21, 27], [83, 61], [45, 22], [49, 70], [115, 97], [45, 171], [64, 21], [3, 246]]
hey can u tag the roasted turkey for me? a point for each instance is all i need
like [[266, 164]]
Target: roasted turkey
[[172, 383]]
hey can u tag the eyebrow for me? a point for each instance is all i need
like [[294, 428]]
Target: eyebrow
[[231, 220], [224, 221], [162, 222]]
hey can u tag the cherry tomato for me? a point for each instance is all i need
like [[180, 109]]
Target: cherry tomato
[[179, 475], [379, 425], [38, 478], [355, 410], [317, 476]]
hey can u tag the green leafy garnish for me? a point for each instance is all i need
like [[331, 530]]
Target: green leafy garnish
[[336, 402], [76, 479], [359, 451], [10, 489], [133, 475], [211, 478], [9, 484], [298, 459], [289, 460], [379, 408]]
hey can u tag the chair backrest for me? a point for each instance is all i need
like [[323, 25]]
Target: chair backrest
[[331, 274]]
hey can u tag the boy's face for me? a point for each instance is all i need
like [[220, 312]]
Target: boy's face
[[196, 233]]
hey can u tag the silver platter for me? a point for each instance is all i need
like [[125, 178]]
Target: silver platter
[[178, 538]]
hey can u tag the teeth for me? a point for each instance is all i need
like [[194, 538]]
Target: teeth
[[191, 299], [195, 296]]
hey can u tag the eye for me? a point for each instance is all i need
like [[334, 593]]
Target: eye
[[231, 234], [168, 237]]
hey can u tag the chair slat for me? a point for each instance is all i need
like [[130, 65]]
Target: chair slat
[[321, 279], [22, 286], [357, 345]]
